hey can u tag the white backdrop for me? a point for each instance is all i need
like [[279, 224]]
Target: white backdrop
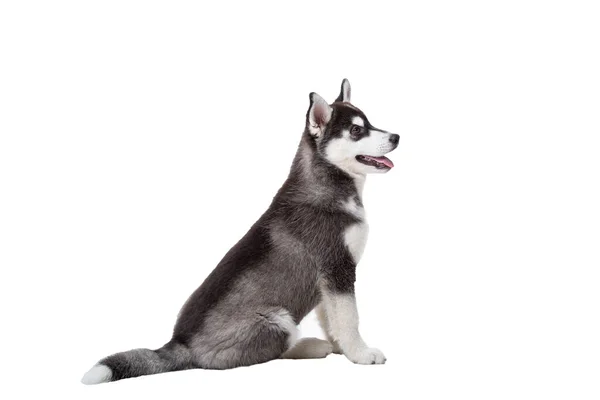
[[140, 140]]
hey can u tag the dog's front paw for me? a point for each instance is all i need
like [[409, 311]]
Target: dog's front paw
[[367, 355]]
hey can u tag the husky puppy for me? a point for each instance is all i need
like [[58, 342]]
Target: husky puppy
[[299, 256]]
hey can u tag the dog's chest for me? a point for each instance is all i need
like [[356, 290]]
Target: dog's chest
[[355, 235]]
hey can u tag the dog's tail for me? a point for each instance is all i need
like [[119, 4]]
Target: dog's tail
[[173, 356]]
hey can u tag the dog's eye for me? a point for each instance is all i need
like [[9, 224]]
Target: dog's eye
[[356, 130]]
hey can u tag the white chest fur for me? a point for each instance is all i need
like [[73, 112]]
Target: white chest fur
[[356, 234], [356, 239]]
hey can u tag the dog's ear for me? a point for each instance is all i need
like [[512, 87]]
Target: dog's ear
[[344, 92], [318, 115]]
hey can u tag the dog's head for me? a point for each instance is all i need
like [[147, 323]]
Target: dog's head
[[343, 135]]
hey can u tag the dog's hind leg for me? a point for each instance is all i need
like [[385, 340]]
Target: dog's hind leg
[[248, 338], [309, 348]]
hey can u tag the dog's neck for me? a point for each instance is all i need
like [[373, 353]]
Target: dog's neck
[[315, 181]]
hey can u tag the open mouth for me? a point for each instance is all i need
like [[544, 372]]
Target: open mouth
[[377, 162]]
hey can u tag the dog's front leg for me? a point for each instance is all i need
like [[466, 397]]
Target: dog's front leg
[[341, 316]]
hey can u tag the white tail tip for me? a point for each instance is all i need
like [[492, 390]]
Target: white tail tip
[[98, 374]]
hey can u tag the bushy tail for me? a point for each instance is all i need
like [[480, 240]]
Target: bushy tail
[[171, 357]]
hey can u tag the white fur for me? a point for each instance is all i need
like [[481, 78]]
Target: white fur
[[356, 235], [346, 91], [355, 238], [367, 355], [309, 348], [376, 144], [285, 321], [343, 151], [324, 322], [358, 121], [342, 319], [354, 208], [98, 374]]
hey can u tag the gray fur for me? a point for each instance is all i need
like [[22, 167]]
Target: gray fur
[[246, 310]]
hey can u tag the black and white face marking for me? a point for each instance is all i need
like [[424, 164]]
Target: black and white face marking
[[356, 146], [346, 138]]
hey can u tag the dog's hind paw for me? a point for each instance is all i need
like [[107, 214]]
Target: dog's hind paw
[[309, 348]]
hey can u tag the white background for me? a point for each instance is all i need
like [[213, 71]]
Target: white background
[[140, 140]]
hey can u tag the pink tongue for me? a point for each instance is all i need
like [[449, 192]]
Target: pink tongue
[[384, 160]]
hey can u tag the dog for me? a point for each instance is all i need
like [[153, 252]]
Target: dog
[[301, 255]]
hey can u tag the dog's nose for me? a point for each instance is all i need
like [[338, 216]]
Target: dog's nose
[[394, 138]]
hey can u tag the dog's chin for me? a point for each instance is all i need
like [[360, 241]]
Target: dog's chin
[[372, 164]]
